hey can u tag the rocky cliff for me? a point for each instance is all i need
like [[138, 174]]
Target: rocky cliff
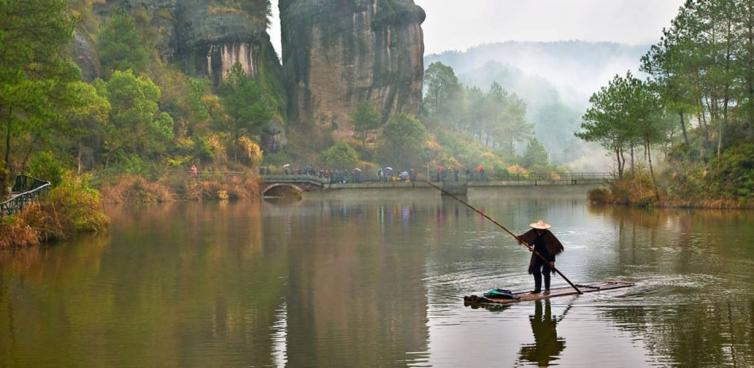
[[207, 37], [339, 53], [213, 35]]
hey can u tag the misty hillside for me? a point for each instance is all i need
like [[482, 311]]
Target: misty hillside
[[578, 65], [555, 79], [555, 119]]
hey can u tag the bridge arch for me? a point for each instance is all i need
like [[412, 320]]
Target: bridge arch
[[282, 190]]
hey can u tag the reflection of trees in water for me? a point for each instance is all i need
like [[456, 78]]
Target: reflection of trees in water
[[704, 335], [547, 345], [707, 321], [356, 293], [28, 302], [683, 241], [189, 284]]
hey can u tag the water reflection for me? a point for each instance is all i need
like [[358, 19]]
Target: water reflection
[[709, 335], [355, 291], [334, 281], [547, 345]]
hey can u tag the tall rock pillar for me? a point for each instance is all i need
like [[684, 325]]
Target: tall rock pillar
[[340, 53]]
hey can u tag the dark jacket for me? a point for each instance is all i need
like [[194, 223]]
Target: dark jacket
[[546, 244]]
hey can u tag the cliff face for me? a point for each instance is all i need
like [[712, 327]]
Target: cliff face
[[208, 37], [213, 35], [339, 53]]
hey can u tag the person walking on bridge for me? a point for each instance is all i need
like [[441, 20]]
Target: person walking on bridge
[[542, 241]]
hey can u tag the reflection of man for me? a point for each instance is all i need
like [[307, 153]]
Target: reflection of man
[[547, 345]]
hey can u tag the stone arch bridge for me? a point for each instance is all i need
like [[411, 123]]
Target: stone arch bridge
[[283, 185]]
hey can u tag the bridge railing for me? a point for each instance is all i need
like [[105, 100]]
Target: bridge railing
[[295, 179], [26, 190], [446, 177]]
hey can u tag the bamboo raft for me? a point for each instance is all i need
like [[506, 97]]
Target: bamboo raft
[[476, 300]]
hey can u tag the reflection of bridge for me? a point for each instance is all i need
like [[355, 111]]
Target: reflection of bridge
[[460, 186]]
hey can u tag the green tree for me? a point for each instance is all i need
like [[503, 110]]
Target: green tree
[[473, 112], [703, 66], [120, 45], [503, 120], [535, 155], [339, 156], [86, 119], [603, 121], [626, 113], [138, 127], [365, 118], [443, 101], [403, 141], [45, 166], [247, 105], [33, 68]]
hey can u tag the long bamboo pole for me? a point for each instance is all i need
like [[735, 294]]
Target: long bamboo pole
[[528, 246]]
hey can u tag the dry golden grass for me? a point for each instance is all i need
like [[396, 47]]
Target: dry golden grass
[[135, 189], [234, 187], [131, 189], [15, 233]]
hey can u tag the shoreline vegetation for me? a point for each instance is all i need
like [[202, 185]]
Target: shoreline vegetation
[[75, 206], [70, 208], [636, 189], [179, 186]]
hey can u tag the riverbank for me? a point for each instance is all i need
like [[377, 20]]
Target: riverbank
[[75, 205], [71, 208], [639, 191]]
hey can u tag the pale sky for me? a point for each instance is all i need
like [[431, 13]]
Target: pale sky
[[460, 24]]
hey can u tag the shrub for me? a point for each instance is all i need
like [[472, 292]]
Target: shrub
[[634, 189], [76, 206], [733, 176], [135, 189], [339, 156], [220, 187], [601, 196], [251, 152], [45, 166], [403, 141], [70, 208]]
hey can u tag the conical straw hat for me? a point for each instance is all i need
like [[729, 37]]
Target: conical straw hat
[[540, 225]]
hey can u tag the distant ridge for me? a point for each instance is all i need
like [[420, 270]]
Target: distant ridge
[[576, 65]]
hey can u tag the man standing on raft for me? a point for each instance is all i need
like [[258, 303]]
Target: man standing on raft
[[546, 244]]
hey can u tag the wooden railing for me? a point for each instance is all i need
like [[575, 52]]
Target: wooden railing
[[25, 190]]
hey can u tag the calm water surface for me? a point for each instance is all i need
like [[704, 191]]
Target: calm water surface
[[377, 279]]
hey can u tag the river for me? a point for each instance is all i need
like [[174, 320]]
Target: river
[[376, 278]]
